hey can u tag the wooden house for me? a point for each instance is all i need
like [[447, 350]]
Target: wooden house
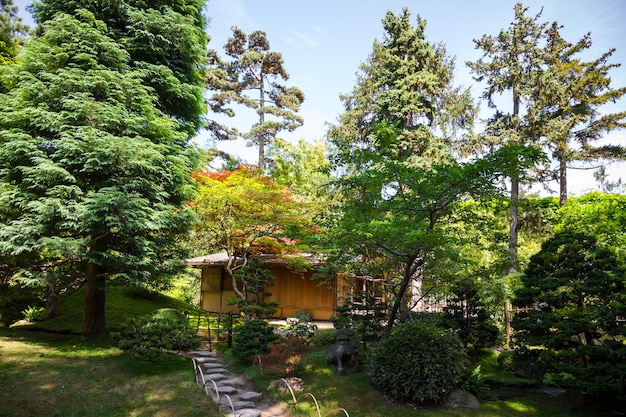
[[294, 291]]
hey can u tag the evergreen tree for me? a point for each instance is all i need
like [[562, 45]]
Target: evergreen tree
[[254, 69], [570, 101], [406, 81], [511, 62], [93, 178], [166, 42], [12, 31]]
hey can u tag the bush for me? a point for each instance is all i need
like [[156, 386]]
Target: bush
[[573, 331], [148, 337], [252, 339], [417, 362], [34, 313], [505, 360], [285, 358], [301, 327]]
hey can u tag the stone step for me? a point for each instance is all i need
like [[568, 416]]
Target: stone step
[[223, 371], [245, 412], [234, 382], [215, 377], [203, 353], [237, 405], [250, 396], [212, 365], [205, 359]]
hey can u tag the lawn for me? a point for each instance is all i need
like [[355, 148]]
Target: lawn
[[51, 374]]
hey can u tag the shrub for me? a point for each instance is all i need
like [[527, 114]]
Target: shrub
[[417, 362], [505, 360], [252, 339], [572, 335], [148, 337], [34, 313], [472, 380], [285, 358], [301, 327]]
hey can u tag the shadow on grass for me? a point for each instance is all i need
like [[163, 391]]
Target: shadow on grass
[[64, 375]]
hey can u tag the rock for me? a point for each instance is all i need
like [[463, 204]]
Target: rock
[[245, 412], [459, 398], [250, 396]]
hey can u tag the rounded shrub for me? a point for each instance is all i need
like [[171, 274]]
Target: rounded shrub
[[252, 339], [417, 362]]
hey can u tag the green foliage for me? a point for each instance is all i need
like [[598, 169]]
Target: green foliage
[[148, 337], [472, 380], [13, 300], [252, 339], [365, 313], [466, 315], [505, 360], [573, 333], [34, 313], [417, 363], [301, 327], [255, 280]]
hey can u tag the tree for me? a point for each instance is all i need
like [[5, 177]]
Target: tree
[[573, 332], [94, 178], [406, 81], [167, 45], [255, 69], [12, 32], [510, 63], [389, 223], [570, 101], [245, 214]]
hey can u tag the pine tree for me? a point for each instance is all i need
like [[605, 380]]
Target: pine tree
[[93, 178], [570, 101], [511, 63], [406, 81], [250, 78]]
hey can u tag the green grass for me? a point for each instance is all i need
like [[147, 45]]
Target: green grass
[[46, 374], [66, 375], [354, 394], [51, 374]]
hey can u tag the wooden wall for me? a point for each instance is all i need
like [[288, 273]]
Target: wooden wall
[[293, 293]]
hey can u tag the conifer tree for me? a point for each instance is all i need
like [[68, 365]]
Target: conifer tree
[[570, 101], [510, 64], [94, 178], [250, 78], [406, 81]]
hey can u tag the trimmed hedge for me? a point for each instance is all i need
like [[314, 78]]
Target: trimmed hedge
[[417, 362]]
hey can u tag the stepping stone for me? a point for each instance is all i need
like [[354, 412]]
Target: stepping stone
[[204, 353], [250, 396], [205, 359], [245, 412], [237, 405], [224, 389], [217, 370], [234, 382], [214, 377], [212, 365]]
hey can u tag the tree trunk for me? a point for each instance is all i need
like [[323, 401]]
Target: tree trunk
[[563, 180], [412, 266], [52, 303], [93, 305], [513, 225]]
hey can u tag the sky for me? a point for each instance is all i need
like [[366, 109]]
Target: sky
[[323, 43]]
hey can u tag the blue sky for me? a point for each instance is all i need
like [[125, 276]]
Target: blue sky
[[323, 42]]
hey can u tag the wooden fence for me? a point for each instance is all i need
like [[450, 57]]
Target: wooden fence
[[213, 327]]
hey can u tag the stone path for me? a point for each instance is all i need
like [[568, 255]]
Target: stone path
[[234, 394]]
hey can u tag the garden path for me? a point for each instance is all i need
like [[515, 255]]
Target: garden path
[[234, 394]]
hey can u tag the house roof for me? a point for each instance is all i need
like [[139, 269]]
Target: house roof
[[221, 258]]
